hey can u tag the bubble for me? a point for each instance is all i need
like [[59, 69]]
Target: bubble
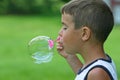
[[41, 49]]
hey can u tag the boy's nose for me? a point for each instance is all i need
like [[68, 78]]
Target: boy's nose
[[60, 33]]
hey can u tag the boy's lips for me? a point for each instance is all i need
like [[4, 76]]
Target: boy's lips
[[59, 38]]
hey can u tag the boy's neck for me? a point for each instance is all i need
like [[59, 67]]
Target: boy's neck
[[92, 53]]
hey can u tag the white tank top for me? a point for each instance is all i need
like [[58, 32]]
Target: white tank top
[[107, 65]]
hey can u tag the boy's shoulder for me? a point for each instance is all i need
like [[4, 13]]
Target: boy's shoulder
[[100, 69], [98, 74]]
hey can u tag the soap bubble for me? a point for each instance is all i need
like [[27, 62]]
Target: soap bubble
[[41, 49]]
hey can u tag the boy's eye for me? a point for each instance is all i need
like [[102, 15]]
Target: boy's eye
[[65, 28]]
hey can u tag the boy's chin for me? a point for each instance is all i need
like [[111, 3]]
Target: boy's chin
[[70, 52]]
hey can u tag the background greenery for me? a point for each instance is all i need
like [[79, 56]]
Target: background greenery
[[15, 61], [30, 6]]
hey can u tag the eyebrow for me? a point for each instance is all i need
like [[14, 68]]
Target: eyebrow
[[64, 24]]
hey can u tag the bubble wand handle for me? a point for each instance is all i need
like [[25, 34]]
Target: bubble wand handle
[[51, 42]]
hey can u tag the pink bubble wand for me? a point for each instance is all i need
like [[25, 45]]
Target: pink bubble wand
[[51, 43]]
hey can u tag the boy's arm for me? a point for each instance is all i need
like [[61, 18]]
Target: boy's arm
[[72, 60]]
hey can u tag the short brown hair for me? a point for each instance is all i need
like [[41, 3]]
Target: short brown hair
[[94, 14]]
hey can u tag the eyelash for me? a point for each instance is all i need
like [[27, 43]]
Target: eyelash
[[64, 28]]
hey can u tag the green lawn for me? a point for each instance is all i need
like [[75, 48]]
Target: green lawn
[[15, 61]]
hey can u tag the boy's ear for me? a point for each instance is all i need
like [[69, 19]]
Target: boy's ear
[[86, 33]]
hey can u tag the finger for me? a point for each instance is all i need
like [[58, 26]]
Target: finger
[[59, 47]]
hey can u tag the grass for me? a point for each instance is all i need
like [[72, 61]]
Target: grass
[[15, 61]]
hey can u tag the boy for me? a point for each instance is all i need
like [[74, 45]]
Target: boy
[[86, 26]]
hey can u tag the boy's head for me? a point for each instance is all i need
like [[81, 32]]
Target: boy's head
[[94, 14]]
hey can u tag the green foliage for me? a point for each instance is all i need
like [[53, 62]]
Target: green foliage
[[65, 0], [3, 6], [19, 6], [29, 6]]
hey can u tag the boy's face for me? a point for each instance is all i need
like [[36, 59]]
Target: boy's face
[[70, 36]]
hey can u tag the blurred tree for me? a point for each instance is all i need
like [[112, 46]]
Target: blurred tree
[[65, 0], [30, 6], [19, 6], [3, 6], [42, 6]]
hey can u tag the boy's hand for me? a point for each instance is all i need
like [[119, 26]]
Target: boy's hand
[[72, 59], [60, 48]]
